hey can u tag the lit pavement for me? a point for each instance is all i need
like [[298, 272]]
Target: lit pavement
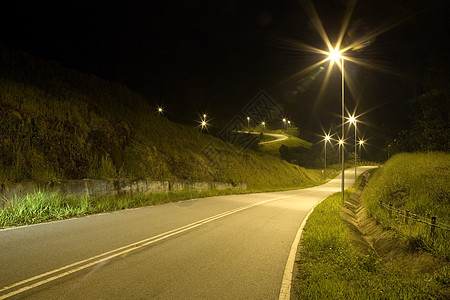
[[278, 138], [227, 247]]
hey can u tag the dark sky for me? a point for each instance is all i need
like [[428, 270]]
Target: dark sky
[[215, 56]]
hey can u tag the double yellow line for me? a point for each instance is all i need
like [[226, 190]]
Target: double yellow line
[[35, 281]]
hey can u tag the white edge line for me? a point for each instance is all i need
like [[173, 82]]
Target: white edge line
[[135, 246], [286, 283]]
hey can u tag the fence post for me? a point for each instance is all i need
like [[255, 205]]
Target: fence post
[[406, 217], [433, 225], [390, 210]]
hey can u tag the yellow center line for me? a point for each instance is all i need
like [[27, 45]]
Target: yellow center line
[[123, 250]]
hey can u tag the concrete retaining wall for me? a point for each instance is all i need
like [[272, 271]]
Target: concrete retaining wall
[[97, 187]]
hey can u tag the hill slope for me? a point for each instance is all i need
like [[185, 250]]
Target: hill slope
[[56, 123]]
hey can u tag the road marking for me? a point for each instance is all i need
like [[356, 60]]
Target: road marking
[[286, 283], [83, 264]]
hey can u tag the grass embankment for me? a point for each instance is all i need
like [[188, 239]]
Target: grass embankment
[[291, 142], [331, 267], [56, 123], [417, 182], [48, 206]]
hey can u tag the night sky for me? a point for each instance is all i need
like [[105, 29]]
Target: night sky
[[215, 56]]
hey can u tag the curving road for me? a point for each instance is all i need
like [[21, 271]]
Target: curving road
[[227, 247], [278, 137]]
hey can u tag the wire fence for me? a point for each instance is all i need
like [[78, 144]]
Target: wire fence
[[432, 222]]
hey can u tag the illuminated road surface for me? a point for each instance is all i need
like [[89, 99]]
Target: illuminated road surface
[[278, 137], [227, 247]]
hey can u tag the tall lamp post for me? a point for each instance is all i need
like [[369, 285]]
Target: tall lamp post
[[341, 143], [361, 142], [327, 139], [335, 55], [352, 120]]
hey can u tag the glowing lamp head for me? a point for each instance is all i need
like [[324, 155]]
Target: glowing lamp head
[[341, 142], [263, 123], [352, 120], [248, 118], [327, 138], [361, 142], [335, 55], [204, 116], [284, 120]]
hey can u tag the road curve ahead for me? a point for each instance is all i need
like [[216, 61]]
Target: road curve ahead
[[278, 138], [227, 247]]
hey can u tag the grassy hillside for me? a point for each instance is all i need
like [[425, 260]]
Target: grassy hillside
[[57, 123], [333, 265], [417, 182], [291, 142]]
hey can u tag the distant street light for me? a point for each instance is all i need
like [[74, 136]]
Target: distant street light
[[203, 122], [341, 143], [326, 140], [284, 123], [289, 123], [248, 123], [160, 110], [361, 143], [352, 120]]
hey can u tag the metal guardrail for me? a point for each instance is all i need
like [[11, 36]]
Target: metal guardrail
[[411, 216]]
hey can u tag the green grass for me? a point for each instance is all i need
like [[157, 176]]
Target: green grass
[[330, 268], [291, 142], [417, 182], [42, 206], [45, 206]]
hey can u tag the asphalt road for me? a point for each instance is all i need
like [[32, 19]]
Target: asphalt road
[[278, 137], [227, 247]]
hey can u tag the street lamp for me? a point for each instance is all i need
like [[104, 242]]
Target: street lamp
[[248, 124], [203, 122], [352, 120], [327, 139], [341, 142], [334, 55], [284, 123], [361, 143]]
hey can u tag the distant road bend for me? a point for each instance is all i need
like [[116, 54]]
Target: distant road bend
[[227, 247], [278, 137]]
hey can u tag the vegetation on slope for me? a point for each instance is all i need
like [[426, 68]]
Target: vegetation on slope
[[330, 266], [56, 123], [417, 182]]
